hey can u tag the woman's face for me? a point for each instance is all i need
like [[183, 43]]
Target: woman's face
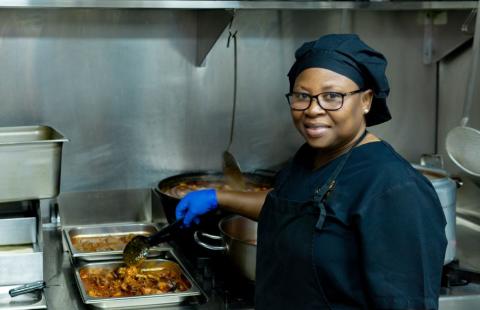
[[330, 129]]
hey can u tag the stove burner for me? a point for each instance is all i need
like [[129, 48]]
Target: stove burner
[[221, 281]]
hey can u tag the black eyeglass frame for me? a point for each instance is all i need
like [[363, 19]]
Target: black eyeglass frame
[[318, 101]]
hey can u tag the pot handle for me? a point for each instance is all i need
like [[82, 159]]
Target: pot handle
[[431, 161], [458, 181], [206, 245]]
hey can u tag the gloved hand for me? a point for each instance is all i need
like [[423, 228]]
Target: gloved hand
[[195, 204]]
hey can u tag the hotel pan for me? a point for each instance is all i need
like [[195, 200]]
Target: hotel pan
[[193, 295], [102, 231], [30, 162]]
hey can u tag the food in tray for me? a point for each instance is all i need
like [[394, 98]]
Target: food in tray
[[101, 243], [181, 189], [160, 278]]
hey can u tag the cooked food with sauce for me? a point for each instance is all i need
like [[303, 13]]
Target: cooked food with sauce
[[181, 189], [133, 281], [101, 243]]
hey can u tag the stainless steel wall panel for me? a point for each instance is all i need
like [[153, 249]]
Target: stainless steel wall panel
[[122, 85], [412, 98], [453, 88]]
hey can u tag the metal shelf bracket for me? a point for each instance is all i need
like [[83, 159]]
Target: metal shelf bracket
[[210, 25], [444, 32]]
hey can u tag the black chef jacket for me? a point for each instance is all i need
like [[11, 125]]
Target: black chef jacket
[[383, 243]]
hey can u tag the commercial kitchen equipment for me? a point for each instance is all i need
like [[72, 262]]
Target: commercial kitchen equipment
[[462, 142], [30, 161], [239, 242], [134, 301], [446, 189]]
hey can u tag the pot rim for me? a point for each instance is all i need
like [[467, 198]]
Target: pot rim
[[263, 179], [229, 218], [441, 175]]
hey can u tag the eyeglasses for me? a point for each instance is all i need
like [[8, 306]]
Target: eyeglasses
[[329, 101]]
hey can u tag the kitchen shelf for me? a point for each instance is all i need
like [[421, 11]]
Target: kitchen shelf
[[213, 16], [247, 5]]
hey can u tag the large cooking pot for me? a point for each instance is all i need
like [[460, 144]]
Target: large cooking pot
[[239, 241], [169, 191], [446, 189]]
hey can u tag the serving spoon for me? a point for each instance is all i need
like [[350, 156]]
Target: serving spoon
[[232, 172], [136, 250]]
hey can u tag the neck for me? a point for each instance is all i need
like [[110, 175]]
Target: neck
[[323, 156]]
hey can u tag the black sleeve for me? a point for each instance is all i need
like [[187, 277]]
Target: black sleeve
[[402, 235]]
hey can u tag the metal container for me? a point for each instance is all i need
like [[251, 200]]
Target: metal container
[[163, 200], [30, 162], [168, 202], [18, 230], [21, 265], [95, 231], [194, 294], [239, 235], [446, 189], [34, 300]]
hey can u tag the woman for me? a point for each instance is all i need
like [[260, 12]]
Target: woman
[[350, 224]]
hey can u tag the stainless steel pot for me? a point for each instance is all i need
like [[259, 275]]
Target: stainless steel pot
[[209, 223], [238, 240], [446, 189], [168, 203]]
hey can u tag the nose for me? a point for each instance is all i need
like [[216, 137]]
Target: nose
[[314, 108]]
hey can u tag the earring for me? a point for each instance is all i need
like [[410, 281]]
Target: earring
[[366, 111]]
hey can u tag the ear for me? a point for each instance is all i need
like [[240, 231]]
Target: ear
[[366, 100]]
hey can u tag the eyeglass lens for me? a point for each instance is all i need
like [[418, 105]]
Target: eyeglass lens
[[328, 101]]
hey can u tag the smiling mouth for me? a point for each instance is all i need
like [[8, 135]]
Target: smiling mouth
[[316, 130]]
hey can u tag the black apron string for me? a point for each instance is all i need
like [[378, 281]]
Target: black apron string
[[322, 192]]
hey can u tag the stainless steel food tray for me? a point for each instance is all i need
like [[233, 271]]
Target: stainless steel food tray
[[103, 231], [17, 230], [194, 294], [21, 265], [30, 162]]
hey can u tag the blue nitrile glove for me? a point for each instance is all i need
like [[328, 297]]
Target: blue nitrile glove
[[195, 204]]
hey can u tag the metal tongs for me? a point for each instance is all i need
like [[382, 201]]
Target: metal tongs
[[137, 249]]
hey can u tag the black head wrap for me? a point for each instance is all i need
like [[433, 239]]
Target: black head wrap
[[347, 55]]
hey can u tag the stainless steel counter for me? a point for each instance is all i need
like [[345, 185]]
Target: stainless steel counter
[[83, 208]]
